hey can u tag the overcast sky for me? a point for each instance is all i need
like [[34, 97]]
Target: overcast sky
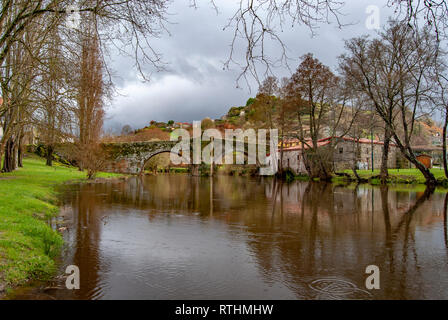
[[195, 86]]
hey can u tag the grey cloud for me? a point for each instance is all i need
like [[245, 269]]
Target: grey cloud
[[173, 97], [194, 84]]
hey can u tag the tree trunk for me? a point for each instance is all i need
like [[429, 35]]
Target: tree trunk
[[314, 163], [20, 153], [305, 161], [20, 158], [50, 150], [280, 168], [194, 170], [445, 167], [9, 161], [355, 172], [430, 179], [16, 156], [384, 174], [324, 173], [356, 158]]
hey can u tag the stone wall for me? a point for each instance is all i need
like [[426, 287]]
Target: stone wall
[[344, 155], [131, 157], [346, 152], [293, 160]]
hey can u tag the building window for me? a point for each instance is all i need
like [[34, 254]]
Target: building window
[[341, 150]]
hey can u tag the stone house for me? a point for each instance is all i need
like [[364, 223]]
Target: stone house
[[344, 152], [293, 155]]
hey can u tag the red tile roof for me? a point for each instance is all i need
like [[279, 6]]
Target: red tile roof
[[326, 141]]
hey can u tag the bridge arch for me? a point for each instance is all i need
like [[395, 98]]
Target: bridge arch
[[145, 161]]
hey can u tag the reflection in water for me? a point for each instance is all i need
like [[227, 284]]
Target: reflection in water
[[180, 237], [445, 222]]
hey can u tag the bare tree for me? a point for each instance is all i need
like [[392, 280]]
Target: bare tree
[[396, 72], [91, 90], [52, 116], [24, 26], [285, 117], [360, 128], [321, 104], [442, 102], [18, 75], [368, 70]]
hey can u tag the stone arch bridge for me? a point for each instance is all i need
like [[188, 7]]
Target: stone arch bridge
[[131, 157]]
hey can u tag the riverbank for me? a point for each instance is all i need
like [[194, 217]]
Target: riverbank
[[396, 176], [28, 199]]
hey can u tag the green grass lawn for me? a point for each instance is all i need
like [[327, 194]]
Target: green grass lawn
[[27, 200], [402, 175]]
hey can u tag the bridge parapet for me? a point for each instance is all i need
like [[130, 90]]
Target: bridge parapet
[[131, 157]]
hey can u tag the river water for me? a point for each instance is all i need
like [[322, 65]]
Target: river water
[[182, 237]]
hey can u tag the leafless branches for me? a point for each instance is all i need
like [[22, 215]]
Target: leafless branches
[[259, 23], [434, 13], [396, 71], [33, 87]]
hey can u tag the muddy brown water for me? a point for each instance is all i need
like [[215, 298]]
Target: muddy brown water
[[180, 237]]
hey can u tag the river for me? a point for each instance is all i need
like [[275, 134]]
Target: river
[[182, 237]]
